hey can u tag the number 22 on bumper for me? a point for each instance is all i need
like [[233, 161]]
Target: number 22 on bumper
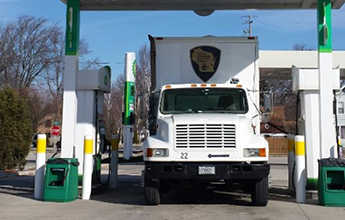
[[184, 156]]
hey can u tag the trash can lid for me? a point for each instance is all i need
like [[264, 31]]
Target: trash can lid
[[63, 161], [332, 162]]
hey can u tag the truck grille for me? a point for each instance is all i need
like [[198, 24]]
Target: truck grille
[[205, 136]]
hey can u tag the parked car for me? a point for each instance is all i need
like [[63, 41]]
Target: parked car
[[34, 141]]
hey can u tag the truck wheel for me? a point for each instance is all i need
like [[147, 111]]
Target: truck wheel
[[260, 192], [152, 194]]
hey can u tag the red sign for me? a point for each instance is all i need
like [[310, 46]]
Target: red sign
[[55, 130]]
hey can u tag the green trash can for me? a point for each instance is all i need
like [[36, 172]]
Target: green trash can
[[331, 187], [61, 180]]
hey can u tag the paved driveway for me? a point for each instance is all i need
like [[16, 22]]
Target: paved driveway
[[127, 202]]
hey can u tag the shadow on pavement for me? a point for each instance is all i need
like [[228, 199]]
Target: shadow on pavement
[[281, 194], [22, 186], [130, 192], [285, 195], [278, 164]]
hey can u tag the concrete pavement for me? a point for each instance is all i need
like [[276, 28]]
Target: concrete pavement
[[127, 202]]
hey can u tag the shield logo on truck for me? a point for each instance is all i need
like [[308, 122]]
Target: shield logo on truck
[[205, 61]]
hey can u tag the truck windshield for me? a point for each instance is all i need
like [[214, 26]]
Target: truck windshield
[[204, 100]]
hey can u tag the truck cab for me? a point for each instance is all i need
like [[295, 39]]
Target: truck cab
[[205, 132]]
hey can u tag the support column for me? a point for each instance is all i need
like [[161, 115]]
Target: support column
[[69, 112], [327, 131], [312, 135], [84, 124], [128, 120]]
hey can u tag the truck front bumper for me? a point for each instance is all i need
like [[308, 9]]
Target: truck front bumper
[[190, 171]]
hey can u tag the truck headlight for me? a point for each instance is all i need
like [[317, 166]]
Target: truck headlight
[[254, 152], [152, 152]]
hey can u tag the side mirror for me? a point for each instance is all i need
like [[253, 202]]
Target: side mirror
[[268, 103], [144, 134]]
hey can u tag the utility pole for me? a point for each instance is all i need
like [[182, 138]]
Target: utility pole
[[249, 22]]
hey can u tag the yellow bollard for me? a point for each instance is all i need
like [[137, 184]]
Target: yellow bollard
[[87, 172], [300, 169], [40, 165]]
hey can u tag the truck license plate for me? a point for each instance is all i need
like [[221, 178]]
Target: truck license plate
[[207, 170]]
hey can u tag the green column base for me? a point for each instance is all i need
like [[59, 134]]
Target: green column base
[[80, 179], [95, 173], [312, 183]]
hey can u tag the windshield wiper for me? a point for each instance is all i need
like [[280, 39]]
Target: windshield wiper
[[184, 109], [216, 109]]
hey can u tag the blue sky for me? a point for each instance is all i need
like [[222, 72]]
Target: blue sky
[[111, 34]]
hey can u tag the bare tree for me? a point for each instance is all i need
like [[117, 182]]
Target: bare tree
[[53, 73], [114, 102], [143, 83], [26, 50], [40, 104], [113, 106], [32, 54], [302, 46]]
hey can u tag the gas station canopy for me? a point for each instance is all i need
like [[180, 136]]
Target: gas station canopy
[[200, 5]]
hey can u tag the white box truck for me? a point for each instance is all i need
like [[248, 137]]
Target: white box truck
[[204, 117]]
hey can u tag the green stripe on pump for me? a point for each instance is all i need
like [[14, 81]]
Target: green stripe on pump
[[72, 27], [129, 102], [324, 15], [324, 50]]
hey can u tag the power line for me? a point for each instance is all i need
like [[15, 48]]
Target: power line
[[250, 21]]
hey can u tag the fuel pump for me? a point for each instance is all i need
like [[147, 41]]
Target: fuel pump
[[92, 85], [101, 142], [306, 85]]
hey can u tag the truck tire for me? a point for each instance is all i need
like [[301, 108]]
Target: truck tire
[[260, 192], [152, 194]]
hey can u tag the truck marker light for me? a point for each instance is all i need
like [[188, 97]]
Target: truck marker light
[[203, 85], [149, 152], [213, 85], [168, 86], [159, 38], [262, 152], [193, 85], [239, 86], [251, 38]]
